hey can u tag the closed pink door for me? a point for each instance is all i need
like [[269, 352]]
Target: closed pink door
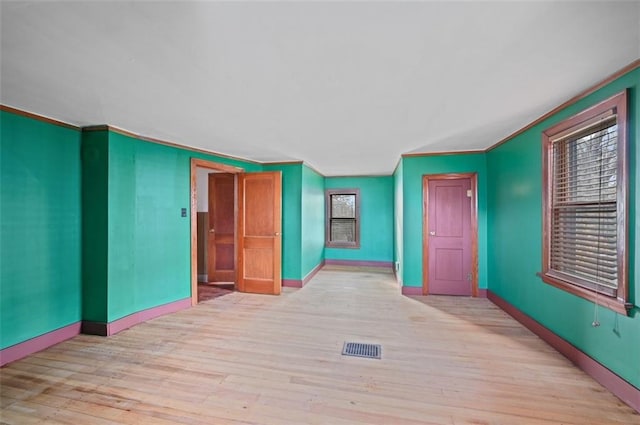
[[449, 236]]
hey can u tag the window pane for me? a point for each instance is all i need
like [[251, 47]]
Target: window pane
[[584, 243], [343, 230], [584, 219], [586, 167], [341, 218], [343, 206]]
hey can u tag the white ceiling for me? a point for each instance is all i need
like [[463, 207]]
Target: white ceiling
[[346, 87]]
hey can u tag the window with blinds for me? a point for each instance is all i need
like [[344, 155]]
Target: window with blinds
[[585, 160], [342, 218]]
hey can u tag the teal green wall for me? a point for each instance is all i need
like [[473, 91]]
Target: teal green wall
[[398, 225], [302, 219], [148, 240], [141, 258], [376, 218], [413, 168], [515, 243], [95, 225], [40, 212], [291, 218], [312, 232]]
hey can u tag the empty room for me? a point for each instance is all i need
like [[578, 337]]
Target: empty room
[[319, 212]]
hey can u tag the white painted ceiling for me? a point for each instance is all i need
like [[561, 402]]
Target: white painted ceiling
[[346, 87]]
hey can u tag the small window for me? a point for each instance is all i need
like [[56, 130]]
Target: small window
[[343, 218], [585, 215]]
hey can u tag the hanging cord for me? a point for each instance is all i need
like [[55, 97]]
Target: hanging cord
[[596, 318]]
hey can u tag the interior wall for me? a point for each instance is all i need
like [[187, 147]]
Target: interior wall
[[202, 189], [148, 238], [149, 245], [376, 219], [291, 218], [95, 225], [40, 192], [398, 228], [413, 168], [515, 243], [312, 218]]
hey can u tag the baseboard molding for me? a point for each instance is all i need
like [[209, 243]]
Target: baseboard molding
[[412, 290], [299, 283], [358, 263], [608, 379], [112, 328], [417, 290], [312, 273], [39, 343], [292, 283]]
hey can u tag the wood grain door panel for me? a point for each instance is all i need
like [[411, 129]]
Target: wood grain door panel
[[221, 265], [259, 230]]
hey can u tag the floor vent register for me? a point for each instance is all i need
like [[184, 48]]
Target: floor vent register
[[358, 349]]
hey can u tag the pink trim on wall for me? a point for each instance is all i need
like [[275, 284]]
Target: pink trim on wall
[[417, 290], [412, 290], [39, 343], [388, 264], [107, 329], [298, 283], [292, 283], [312, 273], [614, 383]]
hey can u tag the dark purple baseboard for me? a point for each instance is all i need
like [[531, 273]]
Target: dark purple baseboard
[[614, 383], [299, 283], [387, 264], [39, 343], [482, 293], [112, 328]]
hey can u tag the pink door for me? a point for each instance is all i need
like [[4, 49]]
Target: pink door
[[448, 236]]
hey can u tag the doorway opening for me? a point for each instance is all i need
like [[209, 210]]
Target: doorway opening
[[248, 249], [450, 234], [213, 229]]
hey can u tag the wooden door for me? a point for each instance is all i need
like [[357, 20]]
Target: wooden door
[[221, 233], [448, 236], [259, 232]]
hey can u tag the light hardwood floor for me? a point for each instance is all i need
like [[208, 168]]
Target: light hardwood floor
[[254, 359]]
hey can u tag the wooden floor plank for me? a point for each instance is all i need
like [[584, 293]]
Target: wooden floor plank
[[253, 359]]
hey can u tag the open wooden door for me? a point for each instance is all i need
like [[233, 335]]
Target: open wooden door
[[260, 232], [221, 231]]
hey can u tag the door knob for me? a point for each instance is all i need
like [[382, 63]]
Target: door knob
[[432, 233], [211, 230], [276, 234]]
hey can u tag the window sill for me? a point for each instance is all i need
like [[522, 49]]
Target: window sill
[[342, 245], [612, 303]]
